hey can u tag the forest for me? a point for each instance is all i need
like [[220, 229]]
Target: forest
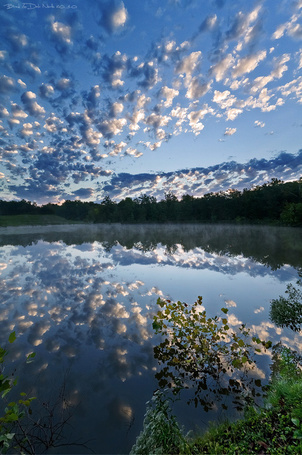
[[273, 202]]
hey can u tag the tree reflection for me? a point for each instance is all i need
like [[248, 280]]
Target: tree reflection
[[287, 311], [205, 354], [270, 246]]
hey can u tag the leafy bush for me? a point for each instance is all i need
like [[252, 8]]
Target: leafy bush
[[14, 411], [287, 311], [161, 433], [207, 354]]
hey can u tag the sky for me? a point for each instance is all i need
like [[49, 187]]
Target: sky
[[124, 98]]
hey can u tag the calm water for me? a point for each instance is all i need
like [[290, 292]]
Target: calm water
[[83, 298]]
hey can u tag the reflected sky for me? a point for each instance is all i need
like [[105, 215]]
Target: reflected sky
[[86, 306]]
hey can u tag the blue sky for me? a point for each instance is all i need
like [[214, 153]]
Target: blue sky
[[123, 98]]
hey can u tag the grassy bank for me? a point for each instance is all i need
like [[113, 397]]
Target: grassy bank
[[274, 429], [31, 220]]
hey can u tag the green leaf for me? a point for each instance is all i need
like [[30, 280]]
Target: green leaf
[[6, 392], [224, 310], [9, 436], [12, 337], [236, 363], [30, 357]]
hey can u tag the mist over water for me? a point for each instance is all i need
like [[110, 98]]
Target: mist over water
[[83, 298]]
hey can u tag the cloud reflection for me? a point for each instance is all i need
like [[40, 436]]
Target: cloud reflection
[[88, 308]]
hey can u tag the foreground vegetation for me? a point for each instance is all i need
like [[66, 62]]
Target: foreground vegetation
[[274, 202], [274, 429], [194, 352]]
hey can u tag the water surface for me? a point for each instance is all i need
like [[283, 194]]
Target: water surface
[[83, 297]]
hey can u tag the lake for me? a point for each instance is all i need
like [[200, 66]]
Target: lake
[[82, 297]]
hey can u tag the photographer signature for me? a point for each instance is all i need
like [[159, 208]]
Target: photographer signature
[[31, 6]]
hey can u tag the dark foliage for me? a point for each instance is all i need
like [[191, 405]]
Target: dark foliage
[[276, 202]]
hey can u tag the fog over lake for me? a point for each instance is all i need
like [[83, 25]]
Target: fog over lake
[[83, 296]]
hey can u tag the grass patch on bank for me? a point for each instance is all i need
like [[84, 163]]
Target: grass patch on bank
[[275, 428], [268, 431], [31, 220]]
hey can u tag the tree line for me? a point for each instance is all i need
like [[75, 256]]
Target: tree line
[[272, 202]]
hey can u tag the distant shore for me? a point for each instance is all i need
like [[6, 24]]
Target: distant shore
[[37, 229]]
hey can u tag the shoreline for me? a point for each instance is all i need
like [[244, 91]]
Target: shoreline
[[96, 227]]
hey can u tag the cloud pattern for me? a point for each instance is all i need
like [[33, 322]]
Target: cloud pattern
[[77, 100]]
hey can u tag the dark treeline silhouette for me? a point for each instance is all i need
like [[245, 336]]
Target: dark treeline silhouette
[[276, 202]]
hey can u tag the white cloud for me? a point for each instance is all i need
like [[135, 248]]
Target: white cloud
[[233, 113], [194, 120], [7, 84], [188, 64], [3, 112], [21, 83], [119, 17], [261, 102], [112, 127], [279, 32], [197, 89], [224, 99], [33, 108], [259, 83], [3, 55], [300, 59], [259, 124], [116, 109], [117, 148], [17, 111], [230, 131], [248, 64], [231, 303], [61, 31], [279, 66], [219, 70], [46, 90], [63, 83], [293, 87], [157, 120], [169, 94], [27, 129], [114, 16], [135, 119], [133, 152], [292, 28]]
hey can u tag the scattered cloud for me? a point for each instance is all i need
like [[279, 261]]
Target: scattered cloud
[[114, 16], [230, 131], [86, 91]]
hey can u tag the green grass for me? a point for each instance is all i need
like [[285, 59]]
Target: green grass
[[31, 220], [274, 429], [269, 431]]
